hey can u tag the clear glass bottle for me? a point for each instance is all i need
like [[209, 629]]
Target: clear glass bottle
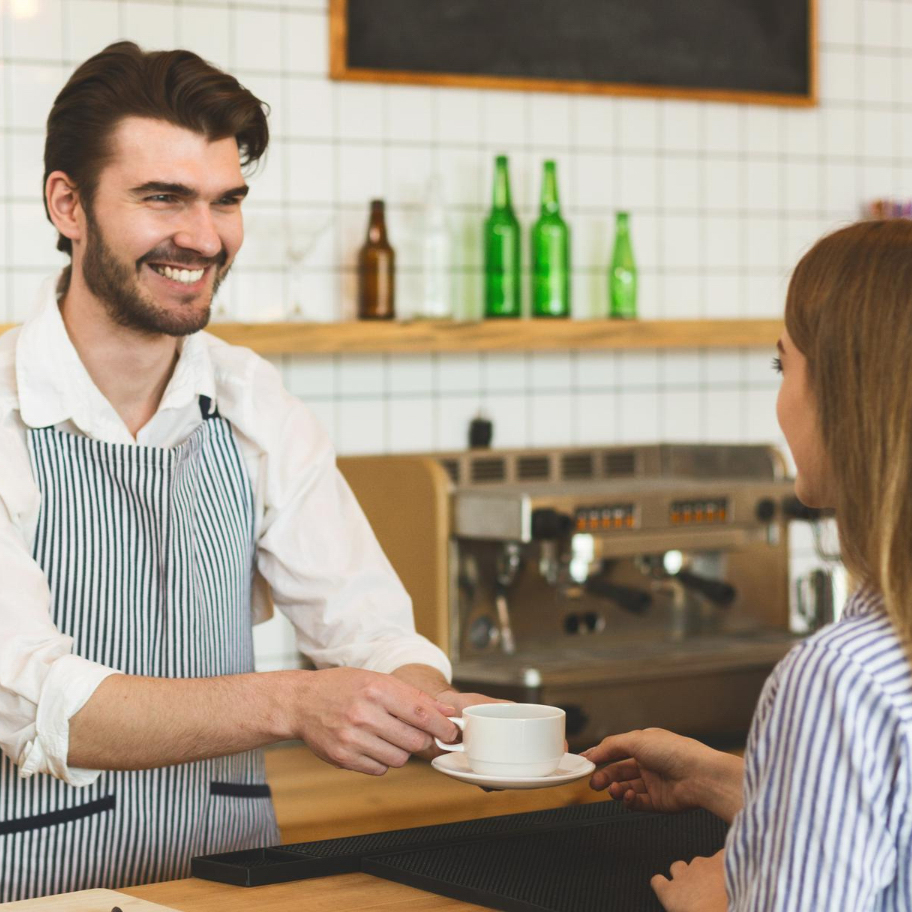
[[622, 279], [550, 253], [376, 269], [501, 250], [436, 250]]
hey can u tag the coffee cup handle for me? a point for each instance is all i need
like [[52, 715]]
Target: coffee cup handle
[[459, 722]]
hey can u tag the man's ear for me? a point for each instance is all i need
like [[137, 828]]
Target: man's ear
[[64, 205]]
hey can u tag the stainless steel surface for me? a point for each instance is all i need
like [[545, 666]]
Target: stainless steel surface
[[505, 513], [471, 468], [647, 585], [705, 687], [502, 516], [648, 660]]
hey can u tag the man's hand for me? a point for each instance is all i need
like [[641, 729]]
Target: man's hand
[[655, 770], [365, 721], [432, 682], [695, 887], [459, 701]]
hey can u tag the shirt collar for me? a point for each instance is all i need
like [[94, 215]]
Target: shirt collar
[[864, 601], [54, 386]]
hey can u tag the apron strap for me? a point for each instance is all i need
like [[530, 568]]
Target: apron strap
[[207, 409]]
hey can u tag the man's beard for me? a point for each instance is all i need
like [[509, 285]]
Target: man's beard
[[118, 288]]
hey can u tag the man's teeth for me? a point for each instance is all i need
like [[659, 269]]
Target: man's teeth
[[187, 276]]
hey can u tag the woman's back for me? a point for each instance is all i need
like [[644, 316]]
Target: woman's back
[[826, 823]]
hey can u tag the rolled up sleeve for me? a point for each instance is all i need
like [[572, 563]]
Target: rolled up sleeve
[[42, 684], [42, 746]]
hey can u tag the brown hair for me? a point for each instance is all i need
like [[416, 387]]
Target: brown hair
[[849, 311], [124, 81]]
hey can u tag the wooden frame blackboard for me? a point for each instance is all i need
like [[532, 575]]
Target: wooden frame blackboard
[[757, 51]]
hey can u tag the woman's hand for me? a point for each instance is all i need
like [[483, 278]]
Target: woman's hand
[[656, 770], [695, 887]]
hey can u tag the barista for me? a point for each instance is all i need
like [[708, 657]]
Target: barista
[[158, 490]]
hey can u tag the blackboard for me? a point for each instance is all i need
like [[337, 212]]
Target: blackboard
[[739, 50]]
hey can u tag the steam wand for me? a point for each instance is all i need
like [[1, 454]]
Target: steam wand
[[508, 564]]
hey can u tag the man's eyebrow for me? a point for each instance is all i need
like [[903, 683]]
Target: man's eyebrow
[[164, 187], [238, 192], [779, 346], [184, 191]]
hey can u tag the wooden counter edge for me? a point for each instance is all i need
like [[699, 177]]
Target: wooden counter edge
[[340, 893]]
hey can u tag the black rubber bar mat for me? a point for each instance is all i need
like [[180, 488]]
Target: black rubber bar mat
[[298, 861], [279, 864], [605, 867]]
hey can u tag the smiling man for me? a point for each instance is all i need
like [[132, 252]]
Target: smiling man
[[182, 271], [159, 492]]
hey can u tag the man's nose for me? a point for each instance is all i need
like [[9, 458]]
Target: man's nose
[[198, 231]]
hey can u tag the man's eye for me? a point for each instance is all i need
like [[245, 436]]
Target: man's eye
[[161, 198], [229, 201]]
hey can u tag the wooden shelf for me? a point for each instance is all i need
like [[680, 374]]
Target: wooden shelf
[[423, 336]]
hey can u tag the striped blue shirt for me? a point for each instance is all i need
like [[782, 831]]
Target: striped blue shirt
[[827, 818]]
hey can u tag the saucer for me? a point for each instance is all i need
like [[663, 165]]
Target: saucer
[[572, 767]]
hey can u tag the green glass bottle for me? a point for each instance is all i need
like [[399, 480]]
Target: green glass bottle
[[622, 280], [501, 250], [550, 253]]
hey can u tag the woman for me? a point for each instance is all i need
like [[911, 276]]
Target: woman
[[821, 807]]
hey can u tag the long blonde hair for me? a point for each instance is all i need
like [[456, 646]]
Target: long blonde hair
[[849, 311]]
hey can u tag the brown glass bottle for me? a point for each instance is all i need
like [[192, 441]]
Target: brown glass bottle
[[376, 270]]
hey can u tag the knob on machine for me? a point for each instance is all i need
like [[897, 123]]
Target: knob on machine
[[765, 509], [795, 509], [548, 523]]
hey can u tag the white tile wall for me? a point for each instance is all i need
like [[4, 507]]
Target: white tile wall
[[723, 198]]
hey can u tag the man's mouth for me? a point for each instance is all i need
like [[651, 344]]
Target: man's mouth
[[185, 276]]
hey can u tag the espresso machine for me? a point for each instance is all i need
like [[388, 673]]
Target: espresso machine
[[632, 586]]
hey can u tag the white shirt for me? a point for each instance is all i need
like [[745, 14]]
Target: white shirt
[[317, 559]]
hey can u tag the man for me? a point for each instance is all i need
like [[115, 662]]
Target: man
[[158, 489]]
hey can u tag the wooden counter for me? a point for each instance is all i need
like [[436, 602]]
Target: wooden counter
[[343, 893], [315, 801]]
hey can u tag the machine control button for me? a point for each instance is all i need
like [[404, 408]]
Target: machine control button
[[593, 622], [708, 510], [605, 517], [548, 523], [590, 622], [795, 509], [765, 509], [577, 720]]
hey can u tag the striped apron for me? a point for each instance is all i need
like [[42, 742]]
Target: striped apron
[[149, 556]]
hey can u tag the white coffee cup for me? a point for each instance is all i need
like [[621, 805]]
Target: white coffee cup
[[511, 739]]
